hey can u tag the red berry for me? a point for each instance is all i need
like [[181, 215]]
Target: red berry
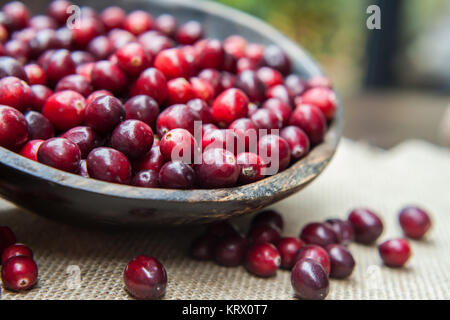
[[179, 144], [214, 78], [7, 238], [35, 74], [96, 94], [298, 141], [323, 98], [343, 230], [134, 138], [202, 89], [39, 127], [244, 64], [19, 273], [15, 93], [318, 233], [266, 121], [254, 52], [269, 217], [275, 153], [189, 33], [261, 233], [172, 63], [177, 174], [415, 222], [145, 278], [65, 109], [176, 116], [288, 247], [84, 137], [315, 253], [309, 280], [222, 139], [311, 120], [133, 58], [75, 82], [210, 54], [143, 108], [104, 113], [341, 261], [227, 81], [108, 76], [281, 109], [270, 77], [395, 253], [30, 149], [263, 260], [110, 165], [280, 92], [138, 22], [366, 225], [58, 65], [221, 229], [218, 169], [10, 67], [179, 91], [153, 42], [17, 13], [16, 250], [87, 29], [201, 110], [276, 58], [235, 45], [251, 167], [230, 250], [113, 17], [58, 10], [151, 82], [40, 96], [120, 37], [202, 248], [146, 179], [253, 87], [152, 160], [230, 105], [247, 132], [14, 128], [60, 153], [295, 85], [166, 24]]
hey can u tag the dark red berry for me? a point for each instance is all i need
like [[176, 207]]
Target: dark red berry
[[145, 278], [214, 78], [39, 127], [87, 29], [16, 250], [218, 169], [202, 248], [60, 153], [17, 13], [251, 167], [84, 137], [134, 138], [323, 98], [133, 58], [269, 217], [190, 32], [10, 67], [108, 76], [138, 22], [318, 233], [298, 141], [201, 110], [263, 260], [104, 113], [295, 85], [414, 221], [110, 165], [166, 24], [276, 58], [244, 64], [113, 17], [7, 238], [15, 93], [230, 250], [153, 42], [176, 116], [58, 10], [19, 273], [261, 233], [366, 225], [275, 153], [266, 121], [253, 87], [343, 230], [230, 105], [120, 37], [235, 45], [395, 253], [210, 54], [13, 129], [96, 94], [58, 65], [247, 132], [281, 109], [222, 139], [221, 229], [153, 160], [75, 82], [288, 247], [270, 77], [143, 108], [35, 74], [179, 144], [202, 89], [100, 47], [227, 81], [177, 175], [311, 120], [151, 82], [309, 280], [40, 96], [179, 91], [172, 63], [280, 92], [30, 149], [65, 109], [146, 179], [316, 253], [341, 261]]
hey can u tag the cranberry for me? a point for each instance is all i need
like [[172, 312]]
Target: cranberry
[[366, 225], [152, 160], [214, 77], [207, 128], [83, 169], [227, 81], [235, 45], [281, 109], [261, 233], [210, 54], [298, 141], [249, 82], [40, 96], [395, 253], [58, 65], [179, 91], [309, 280], [202, 248], [267, 120], [318, 233], [271, 217], [30, 149], [275, 153], [341, 261], [15, 93], [138, 22], [84, 137], [263, 260], [189, 33], [7, 238], [244, 64], [223, 139], [133, 58], [154, 42], [143, 108], [14, 128], [343, 230], [202, 89], [104, 113], [288, 247], [414, 221], [177, 174], [87, 29], [270, 77], [100, 47], [44, 40], [16, 250], [119, 38], [201, 110], [323, 98], [276, 58], [176, 116], [153, 83], [113, 17], [65, 109], [108, 76], [41, 22], [85, 70], [179, 144], [17, 14], [58, 10], [172, 63], [18, 49], [251, 167], [10, 67], [19, 273], [146, 179], [230, 105], [96, 94], [221, 229], [39, 127], [230, 250], [254, 52], [145, 278], [75, 82], [133, 138], [218, 169], [247, 133], [315, 253], [110, 165], [35, 74], [60, 153], [319, 81], [295, 85], [311, 120], [166, 24]]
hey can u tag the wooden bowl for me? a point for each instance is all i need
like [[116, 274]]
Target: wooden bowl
[[74, 199]]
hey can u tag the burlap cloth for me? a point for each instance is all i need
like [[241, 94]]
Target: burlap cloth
[[413, 172]]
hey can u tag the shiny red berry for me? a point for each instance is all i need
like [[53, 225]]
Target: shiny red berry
[[341, 261], [30, 149], [323, 98], [172, 63], [288, 247], [15, 93], [230, 105], [60, 153], [133, 138], [315, 253], [138, 22], [309, 280], [395, 253], [39, 127], [311, 120], [366, 225], [275, 153], [319, 234], [16, 250], [189, 32], [19, 273], [218, 169], [7, 238], [133, 58], [104, 113], [251, 167], [230, 250], [146, 179], [415, 222], [177, 175], [298, 141], [152, 160], [65, 109], [14, 128], [109, 165], [113, 17], [176, 116], [179, 144], [261, 233], [263, 260], [108, 76]]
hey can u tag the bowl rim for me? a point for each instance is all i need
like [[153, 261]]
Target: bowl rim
[[320, 154]]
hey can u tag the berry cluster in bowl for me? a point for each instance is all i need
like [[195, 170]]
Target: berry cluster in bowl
[[151, 102]]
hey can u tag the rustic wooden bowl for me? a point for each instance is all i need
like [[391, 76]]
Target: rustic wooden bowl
[[73, 199]]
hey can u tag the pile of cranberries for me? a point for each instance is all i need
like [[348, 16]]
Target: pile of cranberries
[[320, 251], [19, 270], [150, 102]]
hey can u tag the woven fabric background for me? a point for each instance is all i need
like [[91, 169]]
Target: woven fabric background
[[412, 173]]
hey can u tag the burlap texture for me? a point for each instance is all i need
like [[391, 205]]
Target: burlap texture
[[414, 172]]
